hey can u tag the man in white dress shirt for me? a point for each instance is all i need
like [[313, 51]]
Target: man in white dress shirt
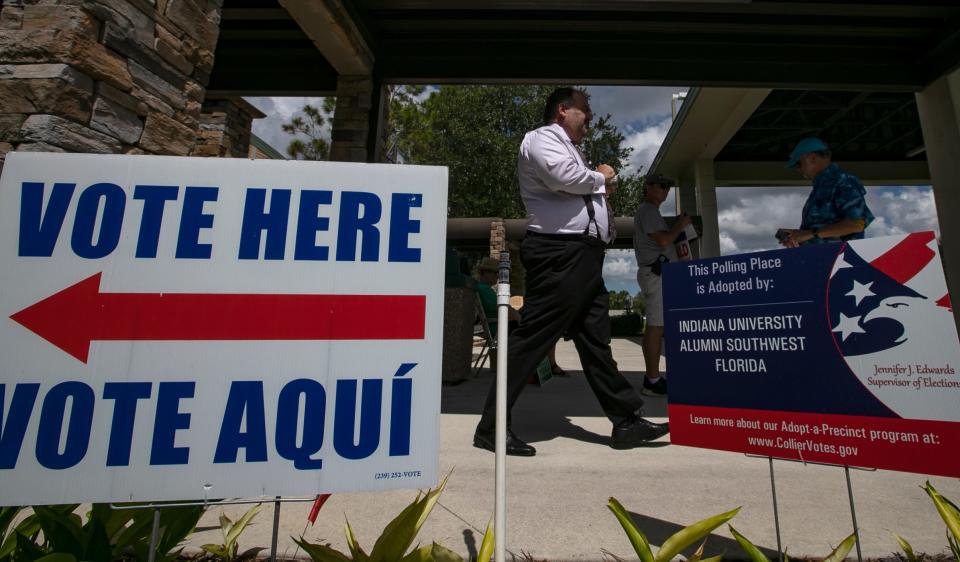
[[568, 229]]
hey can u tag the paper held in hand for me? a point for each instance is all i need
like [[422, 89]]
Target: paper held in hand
[[682, 243]]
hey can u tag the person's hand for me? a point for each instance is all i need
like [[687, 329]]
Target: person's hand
[[609, 178], [795, 237], [683, 219]]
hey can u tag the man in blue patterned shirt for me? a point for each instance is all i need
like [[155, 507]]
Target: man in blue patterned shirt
[[836, 209]]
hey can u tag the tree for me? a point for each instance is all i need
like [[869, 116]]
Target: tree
[[476, 132], [316, 147], [618, 300], [402, 119], [604, 145]]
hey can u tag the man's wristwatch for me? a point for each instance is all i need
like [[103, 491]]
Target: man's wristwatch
[[815, 233]]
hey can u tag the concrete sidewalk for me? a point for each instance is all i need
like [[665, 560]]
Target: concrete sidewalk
[[557, 500]]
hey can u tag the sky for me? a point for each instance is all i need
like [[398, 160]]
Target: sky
[[748, 217]]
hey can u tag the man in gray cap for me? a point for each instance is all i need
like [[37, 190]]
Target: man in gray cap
[[653, 246], [836, 209]]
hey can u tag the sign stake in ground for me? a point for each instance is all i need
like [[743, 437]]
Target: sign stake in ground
[[500, 515]]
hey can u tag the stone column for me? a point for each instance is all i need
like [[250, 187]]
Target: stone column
[[352, 119], [225, 125], [498, 238], [105, 76], [939, 108], [707, 208]]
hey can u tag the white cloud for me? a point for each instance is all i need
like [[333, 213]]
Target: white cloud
[[902, 210], [645, 143], [280, 110], [728, 245], [632, 105], [620, 270], [749, 217]]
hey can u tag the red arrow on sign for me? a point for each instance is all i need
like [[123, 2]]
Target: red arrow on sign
[[78, 314]]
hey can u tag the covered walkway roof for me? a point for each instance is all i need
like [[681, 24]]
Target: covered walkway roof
[[748, 133], [301, 46]]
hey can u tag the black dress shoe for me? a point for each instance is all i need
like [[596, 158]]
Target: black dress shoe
[[636, 431], [515, 446]]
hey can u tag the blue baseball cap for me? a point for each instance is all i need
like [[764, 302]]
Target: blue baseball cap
[[806, 146]]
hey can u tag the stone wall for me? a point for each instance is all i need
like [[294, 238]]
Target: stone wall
[[498, 237], [104, 76], [225, 125], [351, 120]]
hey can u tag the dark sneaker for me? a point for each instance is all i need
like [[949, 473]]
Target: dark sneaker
[[658, 388], [515, 446], [636, 431]]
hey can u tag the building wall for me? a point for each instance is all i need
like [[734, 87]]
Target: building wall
[[225, 128], [105, 76]]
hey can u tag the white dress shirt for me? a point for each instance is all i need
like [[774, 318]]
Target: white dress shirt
[[553, 180]]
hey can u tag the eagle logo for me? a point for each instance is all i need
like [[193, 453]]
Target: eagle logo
[[888, 306]]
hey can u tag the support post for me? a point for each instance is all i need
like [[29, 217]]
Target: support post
[[853, 513], [685, 194], [776, 512], [939, 109], [500, 507], [276, 530], [352, 119], [154, 536], [706, 190]]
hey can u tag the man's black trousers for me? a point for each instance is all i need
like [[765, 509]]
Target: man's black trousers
[[565, 296]]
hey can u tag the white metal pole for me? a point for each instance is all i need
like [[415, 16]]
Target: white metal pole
[[500, 507], [776, 512], [154, 535], [276, 530], [853, 513]]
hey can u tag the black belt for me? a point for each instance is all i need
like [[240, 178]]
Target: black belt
[[567, 237], [551, 236]]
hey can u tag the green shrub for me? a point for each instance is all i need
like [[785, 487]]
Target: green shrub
[[626, 325], [839, 554], [227, 552], [677, 542], [107, 534], [397, 536], [951, 516]]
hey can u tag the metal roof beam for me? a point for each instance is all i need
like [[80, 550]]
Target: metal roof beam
[[883, 118], [773, 174], [830, 121]]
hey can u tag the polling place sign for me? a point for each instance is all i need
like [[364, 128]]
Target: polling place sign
[[836, 353], [182, 328]]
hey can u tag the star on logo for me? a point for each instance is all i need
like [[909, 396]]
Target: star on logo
[[838, 265], [848, 325], [860, 291]]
